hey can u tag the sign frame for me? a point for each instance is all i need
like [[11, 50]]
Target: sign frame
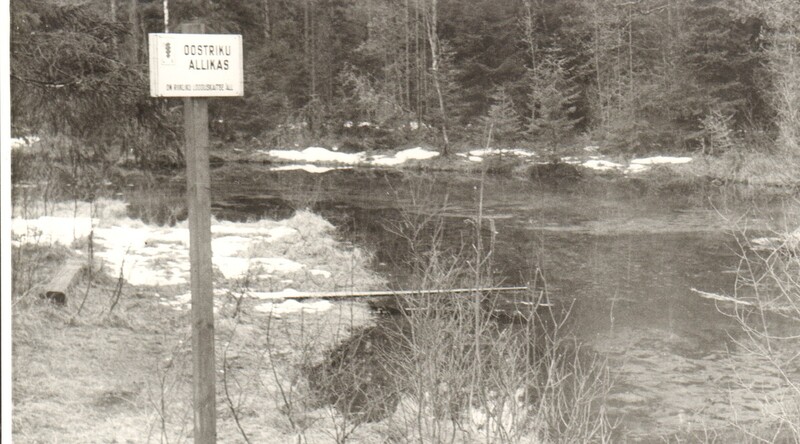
[[196, 65]]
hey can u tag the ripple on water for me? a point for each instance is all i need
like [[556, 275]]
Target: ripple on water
[[665, 383]]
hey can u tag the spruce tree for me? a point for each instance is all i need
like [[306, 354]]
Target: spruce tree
[[502, 118], [551, 101]]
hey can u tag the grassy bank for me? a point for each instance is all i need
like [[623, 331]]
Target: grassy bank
[[113, 364]]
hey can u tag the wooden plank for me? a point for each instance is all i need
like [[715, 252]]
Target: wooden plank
[[198, 189], [372, 294], [57, 288]]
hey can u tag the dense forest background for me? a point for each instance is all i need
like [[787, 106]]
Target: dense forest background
[[633, 75]]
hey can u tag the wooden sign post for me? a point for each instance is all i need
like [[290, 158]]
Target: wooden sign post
[[198, 190], [195, 66]]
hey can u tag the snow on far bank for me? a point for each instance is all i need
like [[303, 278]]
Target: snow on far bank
[[601, 165], [318, 155], [660, 160], [308, 168], [402, 157], [315, 155], [643, 164], [501, 152], [634, 166]]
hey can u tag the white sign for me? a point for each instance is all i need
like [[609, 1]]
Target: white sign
[[196, 65]]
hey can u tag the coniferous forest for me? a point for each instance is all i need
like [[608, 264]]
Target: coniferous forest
[[638, 76]]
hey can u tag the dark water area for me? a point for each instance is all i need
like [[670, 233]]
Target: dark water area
[[625, 260]]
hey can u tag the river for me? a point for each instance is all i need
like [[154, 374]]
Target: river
[[625, 260]]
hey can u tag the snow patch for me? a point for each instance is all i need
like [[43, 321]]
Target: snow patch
[[504, 151], [152, 255], [382, 160], [230, 245], [318, 154], [401, 157], [19, 142], [234, 267], [309, 168], [636, 168], [324, 273], [293, 306], [659, 160], [601, 165], [50, 230]]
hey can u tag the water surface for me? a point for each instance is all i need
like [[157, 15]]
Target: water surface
[[624, 260]]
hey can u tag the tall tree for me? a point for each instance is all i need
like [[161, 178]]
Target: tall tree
[[782, 33], [432, 30]]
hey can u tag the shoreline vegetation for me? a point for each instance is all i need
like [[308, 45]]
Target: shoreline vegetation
[[118, 366], [776, 171], [768, 170]]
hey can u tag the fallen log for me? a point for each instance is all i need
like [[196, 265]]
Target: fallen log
[[57, 288], [382, 293], [719, 297]]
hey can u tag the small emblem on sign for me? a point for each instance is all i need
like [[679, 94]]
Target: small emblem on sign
[[167, 59]]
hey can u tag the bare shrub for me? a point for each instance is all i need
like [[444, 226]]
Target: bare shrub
[[768, 313], [459, 374]]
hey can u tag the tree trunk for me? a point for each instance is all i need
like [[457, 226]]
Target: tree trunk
[[133, 42], [408, 59], [166, 16], [433, 40]]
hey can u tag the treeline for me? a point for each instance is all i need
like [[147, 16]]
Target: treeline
[[634, 74]]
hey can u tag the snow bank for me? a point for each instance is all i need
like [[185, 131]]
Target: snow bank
[[659, 160], [634, 166], [503, 151], [644, 164], [152, 255], [50, 230], [324, 273], [272, 253], [601, 165], [292, 306], [318, 155], [402, 157], [309, 168]]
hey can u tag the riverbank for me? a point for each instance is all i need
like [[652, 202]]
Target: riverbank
[[750, 168], [113, 364]]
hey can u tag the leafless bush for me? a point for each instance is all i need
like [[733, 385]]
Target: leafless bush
[[462, 376], [768, 288]]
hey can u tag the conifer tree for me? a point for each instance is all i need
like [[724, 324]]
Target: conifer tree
[[551, 100], [502, 118]]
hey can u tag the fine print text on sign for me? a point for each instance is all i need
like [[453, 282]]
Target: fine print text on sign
[[196, 65]]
